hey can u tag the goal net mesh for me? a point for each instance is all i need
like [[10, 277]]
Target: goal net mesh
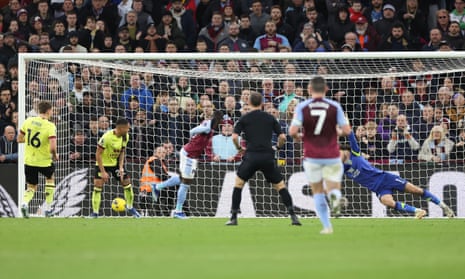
[[164, 97]]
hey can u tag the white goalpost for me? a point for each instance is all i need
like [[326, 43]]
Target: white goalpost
[[165, 95]]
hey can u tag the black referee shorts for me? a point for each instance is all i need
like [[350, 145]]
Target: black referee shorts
[[266, 163], [32, 173]]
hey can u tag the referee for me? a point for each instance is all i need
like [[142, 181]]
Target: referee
[[258, 127]]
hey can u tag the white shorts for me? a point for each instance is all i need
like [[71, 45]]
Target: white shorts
[[318, 172], [187, 166]]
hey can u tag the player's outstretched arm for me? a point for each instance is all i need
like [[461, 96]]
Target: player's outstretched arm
[[353, 144], [201, 129]]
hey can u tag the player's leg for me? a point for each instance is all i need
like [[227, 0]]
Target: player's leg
[[246, 169], [273, 174], [187, 167], [128, 192], [427, 195], [170, 182], [332, 175], [48, 172], [97, 193], [32, 180], [387, 199], [314, 175]]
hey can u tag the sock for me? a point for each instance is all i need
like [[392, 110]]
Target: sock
[[322, 210], [172, 181], [96, 198], [236, 202], [287, 200], [430, 197], [182, 195], [129, 196], [28, 195], [49, 193], [405, 207], [335, 192]]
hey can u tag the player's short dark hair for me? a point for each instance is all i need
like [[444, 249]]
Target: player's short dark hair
[[318, 84], [255, 99], [122, 122], [44, 106]]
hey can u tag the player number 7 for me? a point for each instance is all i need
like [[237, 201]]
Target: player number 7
[[321, 120]]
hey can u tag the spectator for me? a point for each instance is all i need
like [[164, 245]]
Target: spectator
[[186, 23], [307, 31], [374, 12], [270, 41], [130, 21], [101, 10], [350, 42], [228, 13], [318, 22], [85, 110], [8, 50], [435, 38], [221, 149], [6, 107], [173, 124], [268, 91], [458, 14], [74, 43], [67, 8], [294, 15], [125, 40], [23, 25], [458, 153], [45, 14], [388, 93], [9, 12], [81, 151], [214, 32], [288, 115], [403, 145], [246, 31], [108, 44], [258, 17], [396, 40], [367, 38], [183, 91], [384, 25], [442, 21], [388, 122], [233, 41], [143, 18], [454, 36], [340, 27], [288, 94], [124, 7], [371, 143], [355, 11], [151, 41], [59, 38], [456, 112], [191, 113], [8, 146], [37, 26], [76, 95], [413, 19], [142, 136], [368, 109], [287, 151], [444, 96], [426, 123], [108, 101], [409, 107], [437, 147], [144, 96], [168, 28], [132, 109], [282, 27]]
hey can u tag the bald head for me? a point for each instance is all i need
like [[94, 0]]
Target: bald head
[[9, 132]]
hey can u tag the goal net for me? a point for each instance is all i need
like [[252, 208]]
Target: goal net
[[384, 95]]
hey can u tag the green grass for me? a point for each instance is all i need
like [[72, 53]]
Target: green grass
[[205, 248]]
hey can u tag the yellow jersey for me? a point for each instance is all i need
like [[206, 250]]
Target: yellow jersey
[[37, 132], [112, 148]]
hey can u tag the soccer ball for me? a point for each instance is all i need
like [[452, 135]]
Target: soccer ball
[[118, 205]]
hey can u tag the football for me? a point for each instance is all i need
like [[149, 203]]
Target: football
[[118, 205]]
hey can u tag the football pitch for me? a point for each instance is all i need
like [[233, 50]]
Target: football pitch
[[205, 248]]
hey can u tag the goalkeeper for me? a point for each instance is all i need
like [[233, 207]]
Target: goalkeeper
[[110, 159], [357, 168]]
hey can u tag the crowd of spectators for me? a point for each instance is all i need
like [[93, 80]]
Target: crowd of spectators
[[397, 120]]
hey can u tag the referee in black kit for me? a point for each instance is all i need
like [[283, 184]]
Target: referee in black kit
[[258, 127]]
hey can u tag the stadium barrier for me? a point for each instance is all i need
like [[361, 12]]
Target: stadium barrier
[[211, 197]]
